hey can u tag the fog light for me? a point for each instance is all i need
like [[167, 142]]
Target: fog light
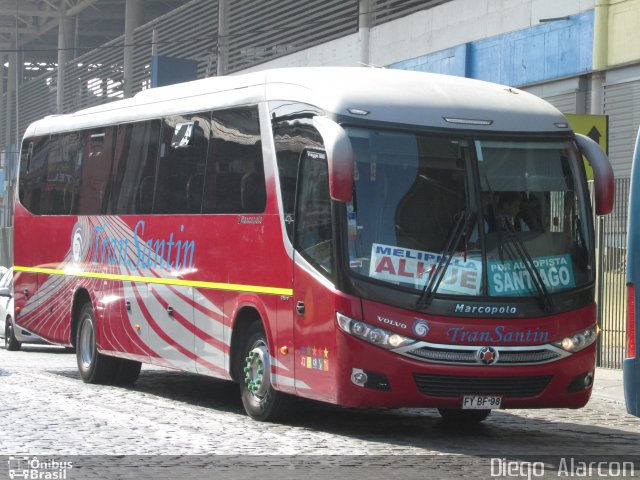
[[588, 380], [359, 377], [582, 382]]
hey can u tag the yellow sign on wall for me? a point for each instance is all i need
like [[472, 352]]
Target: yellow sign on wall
[[596, 127]]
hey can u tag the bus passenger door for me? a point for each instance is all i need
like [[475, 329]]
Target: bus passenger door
[[314, 270], [26, 302], [171, 327], [125, 329]]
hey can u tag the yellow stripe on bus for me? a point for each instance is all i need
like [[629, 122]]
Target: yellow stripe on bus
[[162, 281]]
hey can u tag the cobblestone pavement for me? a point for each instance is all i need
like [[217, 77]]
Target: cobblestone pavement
[[47, 410]]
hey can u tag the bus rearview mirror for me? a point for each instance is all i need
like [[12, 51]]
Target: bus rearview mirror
[[602, 173], [339, 157]]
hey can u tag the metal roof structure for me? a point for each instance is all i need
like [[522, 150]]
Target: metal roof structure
[[31, 27]]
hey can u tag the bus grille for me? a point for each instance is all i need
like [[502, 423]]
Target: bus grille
[[448, 386], [469, 355]]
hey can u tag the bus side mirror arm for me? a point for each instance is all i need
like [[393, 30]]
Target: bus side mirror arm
[[602, 173], [339, 156]]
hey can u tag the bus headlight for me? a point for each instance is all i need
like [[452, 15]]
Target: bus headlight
[[374, 335], [578, 341]]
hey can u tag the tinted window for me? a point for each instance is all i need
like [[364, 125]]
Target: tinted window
[[33, 163], [313, 216], [291, 138], [94, 172], [135, 161], [183, 157], [65, 157], [235, 179]]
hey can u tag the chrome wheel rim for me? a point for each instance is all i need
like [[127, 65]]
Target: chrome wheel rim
[[257, 369], [87, 343]]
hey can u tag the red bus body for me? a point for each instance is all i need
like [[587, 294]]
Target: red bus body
[[179, 291]]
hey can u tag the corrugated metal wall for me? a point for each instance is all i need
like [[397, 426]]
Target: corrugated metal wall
[[622, 105], [189, 32], [387, 10], [263, 30]]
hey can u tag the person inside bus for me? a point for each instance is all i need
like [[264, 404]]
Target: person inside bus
[[509, 216]]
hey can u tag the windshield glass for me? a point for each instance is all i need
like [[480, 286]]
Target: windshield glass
[[418, 213]]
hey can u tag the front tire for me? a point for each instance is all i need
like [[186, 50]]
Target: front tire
[[11, 343], [261, 401], [92, 365], [460, 417], [128, 372]]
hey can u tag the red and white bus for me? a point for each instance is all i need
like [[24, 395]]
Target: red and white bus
[[363, 237]]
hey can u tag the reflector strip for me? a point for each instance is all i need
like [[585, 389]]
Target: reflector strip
[[162, 281]]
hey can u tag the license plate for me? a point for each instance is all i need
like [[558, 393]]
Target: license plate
[[479, 402]]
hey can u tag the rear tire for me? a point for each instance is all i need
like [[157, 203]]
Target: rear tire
[[11, 343], [261, 401], [93, 366], [460, 417]]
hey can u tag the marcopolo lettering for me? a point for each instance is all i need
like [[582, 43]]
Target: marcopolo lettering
[[486, 309]]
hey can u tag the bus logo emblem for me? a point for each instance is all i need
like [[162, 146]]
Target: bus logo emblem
[[487, 355], [421, 328], [77, 244]]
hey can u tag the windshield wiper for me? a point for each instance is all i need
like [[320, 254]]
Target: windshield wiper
[[440, 268], [523, 254]]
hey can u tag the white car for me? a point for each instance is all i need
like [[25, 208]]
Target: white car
[[14, 336]]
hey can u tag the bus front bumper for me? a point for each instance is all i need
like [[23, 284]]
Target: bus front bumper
[[394, 381]]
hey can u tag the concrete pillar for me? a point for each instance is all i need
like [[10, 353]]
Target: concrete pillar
[[65, 43], [365, 22], [3, 114], [222, 63], [600, 55], [133, 16], [10, 119], [10, 141]]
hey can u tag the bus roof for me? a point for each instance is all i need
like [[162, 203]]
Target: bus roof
[[386, 95]]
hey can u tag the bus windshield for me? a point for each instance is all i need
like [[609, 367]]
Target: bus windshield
[[456, 215]]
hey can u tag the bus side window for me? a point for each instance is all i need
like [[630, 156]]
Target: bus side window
[[94, 174], [291, 138], [313, 232], [134, 168], [183, 157], [234, 179], [65, 158], [33, 164]]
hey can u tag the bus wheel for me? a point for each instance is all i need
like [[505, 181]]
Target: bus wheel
[[463, 416], [259, 398], [11, 343], [93, 366], [128, 372]]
